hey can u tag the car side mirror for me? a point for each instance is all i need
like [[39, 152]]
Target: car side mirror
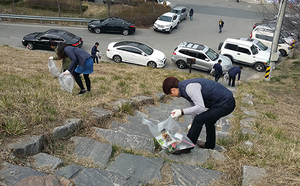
[[206, 59]]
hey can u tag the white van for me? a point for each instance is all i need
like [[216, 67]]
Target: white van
[[244, 52]]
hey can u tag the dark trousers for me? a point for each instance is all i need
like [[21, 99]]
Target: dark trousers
[[95, 57], [220, 28], [79, 82], [231, 79], [217, 77], [209, 118]]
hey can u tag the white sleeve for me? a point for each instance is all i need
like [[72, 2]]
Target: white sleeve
[[193, 90]]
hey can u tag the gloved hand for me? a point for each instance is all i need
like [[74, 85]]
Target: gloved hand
[[66, 72], [51, 57], [176, 113], [189, 127]]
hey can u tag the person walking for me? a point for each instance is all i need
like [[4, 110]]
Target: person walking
[[232, 75], [221, 24], [209, 102], [218, 70], [191, 14], [237, 1], [94, 52], [82, 62], [66, 62]]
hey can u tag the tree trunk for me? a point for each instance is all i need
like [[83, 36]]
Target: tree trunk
[[15, 11], [108, 7], [81, 13], [58, 7]]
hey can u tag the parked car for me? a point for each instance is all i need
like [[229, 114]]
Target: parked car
[[267, 39], [166, 22], [261, 47], [113, 25], [205, 57], [136, 53], [244, 52], [41, 39], [181, 11]]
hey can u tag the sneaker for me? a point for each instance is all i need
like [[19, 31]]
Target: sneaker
[[82, 92]]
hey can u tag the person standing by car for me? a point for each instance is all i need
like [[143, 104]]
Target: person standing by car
[[232, 75], [218, 70], [66, 62], [209, 102], [94, 52], [221, 24], [191, 14], [82, 62]]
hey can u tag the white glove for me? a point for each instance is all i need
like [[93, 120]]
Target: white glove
[[51, 57], [176, 113], [189, 127], [66, 72]]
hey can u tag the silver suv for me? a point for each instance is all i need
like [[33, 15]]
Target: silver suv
[[205, 57], [181, 11]]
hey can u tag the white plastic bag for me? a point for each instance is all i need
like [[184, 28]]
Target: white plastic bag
[[66, 82], [52, 68], [98, 54], [169, 135], [212, 72]]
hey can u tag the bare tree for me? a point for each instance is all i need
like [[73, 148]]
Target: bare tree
[[80, 5], [15, 11], [58, 7]]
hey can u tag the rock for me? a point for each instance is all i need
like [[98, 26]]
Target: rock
[[159, 96], [143, 100], [117, 105], [101, 114], [43, 160], [141, 170], [193, 175], [69, 128], [95, 150], [247, 101], [69, 171], [49, 180], [247, 122], [125, 140], [249, 112], [31, 147], [252, 175], [97, 177], [12, 174], [216, 155]]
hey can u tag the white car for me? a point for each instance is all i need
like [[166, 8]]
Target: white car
[[166, 22], [136, 53]]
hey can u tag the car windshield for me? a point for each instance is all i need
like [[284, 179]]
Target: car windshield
[[148, 50], [165, 18], [175, 11], [212, 54], [261, 46], [285, 34]]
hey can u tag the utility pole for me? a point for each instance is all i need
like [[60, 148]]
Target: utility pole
[[274, 55]]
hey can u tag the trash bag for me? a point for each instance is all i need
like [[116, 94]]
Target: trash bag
[[98, 54], [226, 77], [52, 68], [66, 82], [212, 72], [169, 135]]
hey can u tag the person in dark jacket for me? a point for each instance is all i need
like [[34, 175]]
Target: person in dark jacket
[[218, 70], [221, 24], [232, 75], [191, 14], [94, 52], [209, 102], [82, 62]]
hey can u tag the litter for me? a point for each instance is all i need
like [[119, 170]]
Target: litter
[[66, 82], [52, 68]]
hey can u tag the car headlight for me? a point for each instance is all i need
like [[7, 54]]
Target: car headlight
[[93, 26]]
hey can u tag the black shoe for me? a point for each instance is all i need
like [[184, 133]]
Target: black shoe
[[82, 92], [184, 151]]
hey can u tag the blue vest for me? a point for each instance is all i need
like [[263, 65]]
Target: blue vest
[[214, 94]]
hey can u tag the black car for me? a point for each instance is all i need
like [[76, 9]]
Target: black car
[[112, 24], [41, 39]]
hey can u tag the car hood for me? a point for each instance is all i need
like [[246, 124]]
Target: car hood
[[32, 35], [158, 54], [165, 23]]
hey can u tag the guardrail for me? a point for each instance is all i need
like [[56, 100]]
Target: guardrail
[[44, 18]]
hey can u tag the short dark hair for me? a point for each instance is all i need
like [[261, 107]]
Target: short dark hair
[[52, 43], [219, 60], [96, 43], [241, 67], [170, 82]]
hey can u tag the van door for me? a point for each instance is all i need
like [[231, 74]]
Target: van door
[[244, 55]]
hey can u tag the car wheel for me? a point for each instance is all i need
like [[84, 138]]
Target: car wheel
[[259, 67], [170, 30], [231, 59], [117, 58], [151, 64], [30, 46], [283, 52], [220, 46], [125, 32], [181, 64], [97, 30]]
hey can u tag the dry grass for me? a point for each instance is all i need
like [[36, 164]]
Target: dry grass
[[33, 103]]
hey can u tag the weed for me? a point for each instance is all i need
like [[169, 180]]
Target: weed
[[13, 126], [270, 115], [127, 108]]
